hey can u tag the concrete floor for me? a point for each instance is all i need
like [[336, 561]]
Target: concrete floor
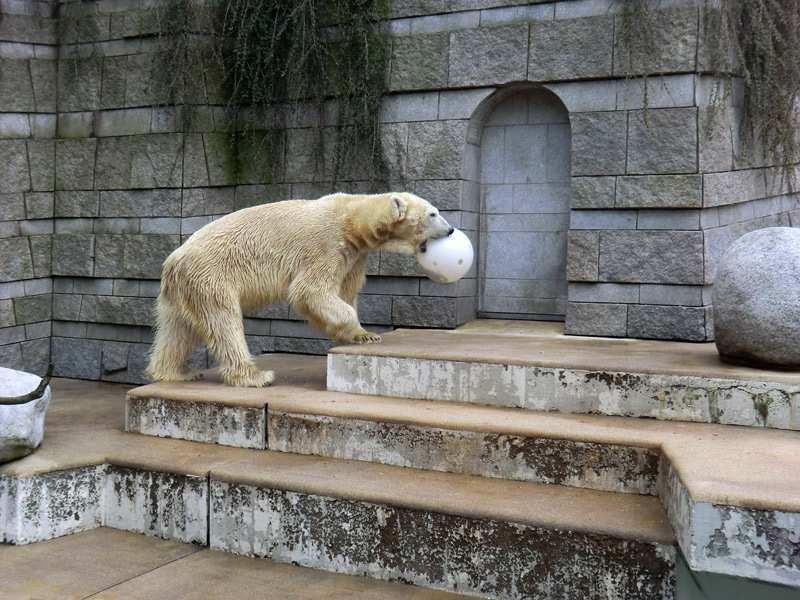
[[108, 564]]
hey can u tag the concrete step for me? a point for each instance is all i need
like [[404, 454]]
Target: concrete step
[[491, 537], [297, 416], [732, 501], [534, 366]]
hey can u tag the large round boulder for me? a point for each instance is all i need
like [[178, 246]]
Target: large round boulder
[[756, 298], [21, 425]]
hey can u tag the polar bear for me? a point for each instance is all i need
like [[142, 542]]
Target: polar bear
[[310, 252]]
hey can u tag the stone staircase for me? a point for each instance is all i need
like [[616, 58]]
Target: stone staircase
[[436, 459]]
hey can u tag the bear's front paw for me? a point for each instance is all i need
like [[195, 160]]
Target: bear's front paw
[[253, 379], [368, 338]]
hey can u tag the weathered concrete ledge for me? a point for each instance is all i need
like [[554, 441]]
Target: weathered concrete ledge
[[540, 369]]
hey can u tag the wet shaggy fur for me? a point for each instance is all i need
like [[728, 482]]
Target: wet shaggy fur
[[310, 252]]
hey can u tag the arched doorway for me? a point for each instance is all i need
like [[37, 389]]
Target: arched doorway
[[524, 207]]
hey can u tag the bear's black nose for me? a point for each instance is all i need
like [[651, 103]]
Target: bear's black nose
[[451, 231]]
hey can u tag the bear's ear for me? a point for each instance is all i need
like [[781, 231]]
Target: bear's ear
[[399, 206]]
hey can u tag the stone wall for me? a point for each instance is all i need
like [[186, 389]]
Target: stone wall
[[28, 49], [101, 177]]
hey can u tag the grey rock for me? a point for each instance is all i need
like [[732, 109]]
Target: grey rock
[[662, 140], [140, 203], [36, 355], [488, 55], [7, 318], [756, 300], [21, 425], [660, 191], [571, 49], [596, 319], [42, 254], [419, 62], [114, 75], [79, 83], [651, 256], [685, 323], [114, 159], [598, 143], [39, 205], [12, 207], [133, 256], [66, 307]]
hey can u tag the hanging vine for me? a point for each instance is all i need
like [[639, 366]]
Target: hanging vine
[[756, 42], [272, 63]]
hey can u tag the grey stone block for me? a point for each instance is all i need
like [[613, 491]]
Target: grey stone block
[[42, 254], [596, 319], [164, 225], [720, 189], [133, 256], [115, 332], [436, 148], [598, 143], [583, 249], [623, 293], [15, 259], [77, 204], [12, 289], [114, 160], [250, 195], [69, 329], [672, 295], [303, 345], [660, 191], [157, 160], [114, 75], [38, 286], [422, 311], [91, 285], [419, 62], [602, 219], [195, 169], [211, 201], [668, 46], [74, 225], [410, 107], [662, 140], [39, 205], [11, 356], [75, 125], [651, 256], [593, 192], [686, 323], [571, 49], [16, 93], [35, 331], [668, 91], [36, 355], [15, 125], [33, 309], [115, 357], [44, 78], [140, 203], [14, 168], [399, 265], [66, 307], [131, 121], [77, 358], [394, 286], [104, 225], [488, 55], [7, 317], [41, 156], [73, 255], [121, 310], [37, 227], [373, 309], [717, 126], [12, 207], [669, 219], [12, 335], [79, 82], [75, 164]]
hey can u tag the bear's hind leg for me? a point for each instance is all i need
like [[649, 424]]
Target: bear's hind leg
[[174, 341], [227, 343]]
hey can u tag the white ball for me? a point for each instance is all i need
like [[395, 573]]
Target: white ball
[[448, 259]]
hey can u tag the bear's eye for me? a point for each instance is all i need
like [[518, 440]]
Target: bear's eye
[[432, 215]]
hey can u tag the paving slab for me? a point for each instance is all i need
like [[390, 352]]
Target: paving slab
[[109, 564]]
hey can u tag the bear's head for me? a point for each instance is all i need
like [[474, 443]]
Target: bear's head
[[414, 221]]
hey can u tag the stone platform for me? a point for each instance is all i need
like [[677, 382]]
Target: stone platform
[[298, 473], [533, 365]]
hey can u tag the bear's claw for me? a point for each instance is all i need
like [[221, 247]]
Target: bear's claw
[[368, 338]]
